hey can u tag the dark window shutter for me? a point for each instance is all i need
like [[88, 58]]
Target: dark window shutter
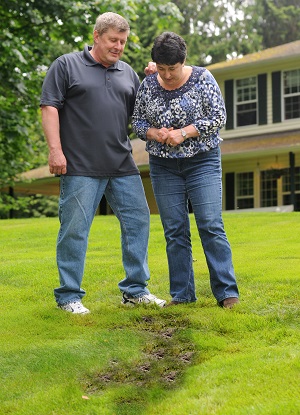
[[229, 104], [276, 96], [262, 99], [230, 191]]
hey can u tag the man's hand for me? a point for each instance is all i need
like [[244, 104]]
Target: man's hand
[[57, 162], [50, 122], [150, 69]]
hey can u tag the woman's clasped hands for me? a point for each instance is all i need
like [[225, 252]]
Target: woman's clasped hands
[[169, 136]]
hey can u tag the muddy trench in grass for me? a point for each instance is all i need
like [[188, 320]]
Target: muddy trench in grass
[[166, 355]]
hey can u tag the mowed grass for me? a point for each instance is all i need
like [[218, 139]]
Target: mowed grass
[[195, 359]]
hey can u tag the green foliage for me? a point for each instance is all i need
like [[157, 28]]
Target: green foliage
[[215, 32], [35, 206], [9, 205], [24, 38], [189, 359], [278, 22]]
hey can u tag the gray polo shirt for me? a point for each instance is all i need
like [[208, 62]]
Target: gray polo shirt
[[95, 104]]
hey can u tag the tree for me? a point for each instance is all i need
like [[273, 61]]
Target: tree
[[278, 22], [217, 30], [28, 32]]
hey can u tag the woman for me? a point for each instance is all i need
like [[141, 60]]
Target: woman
[[179, 111]]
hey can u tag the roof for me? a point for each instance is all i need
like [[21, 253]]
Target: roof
[[278, 53], [283, 142]]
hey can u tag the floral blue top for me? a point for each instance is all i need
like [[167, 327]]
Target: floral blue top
[[198, 102]]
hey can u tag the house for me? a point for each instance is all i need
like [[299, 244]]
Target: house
[[261, 147], [261, 140]]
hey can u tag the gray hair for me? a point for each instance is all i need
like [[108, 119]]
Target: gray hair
[[112, 20]]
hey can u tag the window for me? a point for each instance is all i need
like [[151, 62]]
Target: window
[[246, 101], [268, 189], [245, 190], [291, 94]]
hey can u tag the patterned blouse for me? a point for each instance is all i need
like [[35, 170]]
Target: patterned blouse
[[198, 102]]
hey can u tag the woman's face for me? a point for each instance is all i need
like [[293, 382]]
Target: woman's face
[[171, 74]]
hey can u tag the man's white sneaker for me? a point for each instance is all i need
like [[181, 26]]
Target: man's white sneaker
[[75, 307], [145, 299]]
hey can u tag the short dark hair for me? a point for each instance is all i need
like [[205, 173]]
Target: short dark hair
[[169, 49]]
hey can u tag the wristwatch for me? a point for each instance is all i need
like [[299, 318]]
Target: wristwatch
[[183, 133]]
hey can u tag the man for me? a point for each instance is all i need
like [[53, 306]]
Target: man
[[87, 99]]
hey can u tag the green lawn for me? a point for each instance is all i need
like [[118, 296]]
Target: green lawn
[[195, 359]]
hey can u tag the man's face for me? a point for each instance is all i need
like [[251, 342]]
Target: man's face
[[109, 47]]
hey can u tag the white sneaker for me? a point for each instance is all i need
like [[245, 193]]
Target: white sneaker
[[74, 307], [145, 299]]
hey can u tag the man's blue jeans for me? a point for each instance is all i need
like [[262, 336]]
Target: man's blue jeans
[[199, 180], [79, 200]]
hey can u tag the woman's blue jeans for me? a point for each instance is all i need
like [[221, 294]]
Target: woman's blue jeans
[[199, 180], [79, 199]]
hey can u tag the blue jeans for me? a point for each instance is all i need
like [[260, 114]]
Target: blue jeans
[[79, 200], [199, 180]]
